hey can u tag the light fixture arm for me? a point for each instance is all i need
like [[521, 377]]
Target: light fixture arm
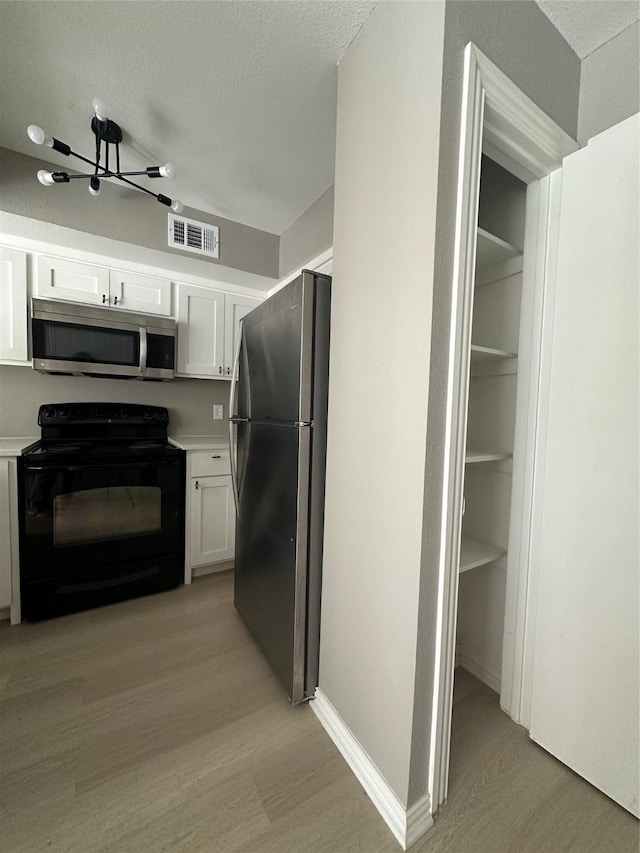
[[107, 131]]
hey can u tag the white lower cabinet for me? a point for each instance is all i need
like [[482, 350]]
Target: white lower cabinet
[[9, 554], [210, 510]]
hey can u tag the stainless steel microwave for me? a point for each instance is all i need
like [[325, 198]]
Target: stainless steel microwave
[[68, 337]]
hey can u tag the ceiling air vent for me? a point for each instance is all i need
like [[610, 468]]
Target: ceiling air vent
[[192, 236]]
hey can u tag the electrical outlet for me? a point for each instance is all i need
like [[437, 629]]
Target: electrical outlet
[[218, 411]]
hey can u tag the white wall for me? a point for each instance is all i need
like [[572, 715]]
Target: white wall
[[309, 235], [610, 84], [389, 89]]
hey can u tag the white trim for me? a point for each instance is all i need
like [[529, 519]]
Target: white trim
[[484, 672], [494, 112], [407, 825], [312, 264]]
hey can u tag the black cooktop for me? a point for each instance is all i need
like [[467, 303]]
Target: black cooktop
[[84, 433]]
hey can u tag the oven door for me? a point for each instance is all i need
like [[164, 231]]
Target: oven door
[[108, 531]]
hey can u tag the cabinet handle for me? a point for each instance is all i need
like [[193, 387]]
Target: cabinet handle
[[115, 300], [197, 485], [228, 370], [220, 369], [217, 456], [104, 298]]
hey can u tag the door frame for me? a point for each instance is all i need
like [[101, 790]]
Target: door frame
[[501, 121]]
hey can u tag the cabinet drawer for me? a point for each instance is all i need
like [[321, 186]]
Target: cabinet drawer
[[207, 463]]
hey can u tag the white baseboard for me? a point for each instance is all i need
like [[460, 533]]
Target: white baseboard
[[407, 825], [211, 569], [486, 673]]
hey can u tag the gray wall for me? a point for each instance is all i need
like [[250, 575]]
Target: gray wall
[[190, 401], [126, 215], [389, 88], [309, 235], [610, 84]]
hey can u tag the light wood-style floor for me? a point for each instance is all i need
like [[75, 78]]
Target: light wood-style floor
[[155, 725]]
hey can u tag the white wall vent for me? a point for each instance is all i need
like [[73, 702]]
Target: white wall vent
[[192, 236]]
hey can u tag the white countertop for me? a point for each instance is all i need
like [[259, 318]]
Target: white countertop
[[199, 442], [13, 446]]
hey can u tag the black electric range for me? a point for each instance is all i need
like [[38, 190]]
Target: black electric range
[[101, 507]]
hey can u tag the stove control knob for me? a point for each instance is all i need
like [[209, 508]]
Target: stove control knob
[[148, 414], [124, 414], [48, 412], [159, 415], [93, 412], [64, 412]]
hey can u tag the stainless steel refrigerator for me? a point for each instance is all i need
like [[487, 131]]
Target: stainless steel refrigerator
[[278, 419]]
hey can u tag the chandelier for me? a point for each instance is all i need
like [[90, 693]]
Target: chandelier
[[108, 135]]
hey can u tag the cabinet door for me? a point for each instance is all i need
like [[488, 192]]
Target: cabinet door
[[70, 280], [200, 331], [235, 308], [212, 520], [584, 707], [13, 306], [139, 293], [5, 535]]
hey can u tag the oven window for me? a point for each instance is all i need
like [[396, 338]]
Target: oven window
[[91, 344], [96, 515]]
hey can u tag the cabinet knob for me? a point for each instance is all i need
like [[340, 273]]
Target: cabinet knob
[[228, 370], [115, 300], [216, 456], [197, 485], [104, 298], [220, 369]]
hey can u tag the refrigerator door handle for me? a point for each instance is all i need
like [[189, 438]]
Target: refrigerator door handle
[[232, 403]]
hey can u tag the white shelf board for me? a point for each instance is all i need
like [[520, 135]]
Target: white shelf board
[[472, 456], [474, 553], [479, 353], [491, 250]]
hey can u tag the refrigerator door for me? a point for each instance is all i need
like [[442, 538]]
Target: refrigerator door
[[276, 356], [272, 545]]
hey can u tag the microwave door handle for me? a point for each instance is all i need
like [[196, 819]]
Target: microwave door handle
[[143, 350]]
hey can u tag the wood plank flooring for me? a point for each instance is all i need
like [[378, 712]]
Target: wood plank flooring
[[156, 725]]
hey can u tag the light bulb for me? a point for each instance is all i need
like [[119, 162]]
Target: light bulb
[[94, 186], [168, 170], [100, 108], [45, 178], [177, 206], [36, 134]]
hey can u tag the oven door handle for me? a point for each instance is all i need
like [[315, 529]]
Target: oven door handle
[[125, 463], [143, 351]]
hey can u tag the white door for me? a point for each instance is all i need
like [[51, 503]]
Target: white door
[[142, 293], [586, 671], [212, 520], [72, 281], [200, 331], [13, 306], [235, 308]]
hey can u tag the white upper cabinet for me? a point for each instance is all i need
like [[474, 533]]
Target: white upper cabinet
[[72, 281], [13, 307], [141, 293], [235, 308], [208, 324], [200, 331]]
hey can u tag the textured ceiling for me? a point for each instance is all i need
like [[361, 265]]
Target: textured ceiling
[[588, 24], [239, 96]]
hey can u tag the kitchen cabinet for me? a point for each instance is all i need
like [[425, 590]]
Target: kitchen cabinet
[[208, 324], [72, 281], [210, 508], [14, 347], [9, 531]]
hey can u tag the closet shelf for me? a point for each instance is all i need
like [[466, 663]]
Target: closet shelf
[[474, 553], [491, 250], [472, 456], [479, 354]]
